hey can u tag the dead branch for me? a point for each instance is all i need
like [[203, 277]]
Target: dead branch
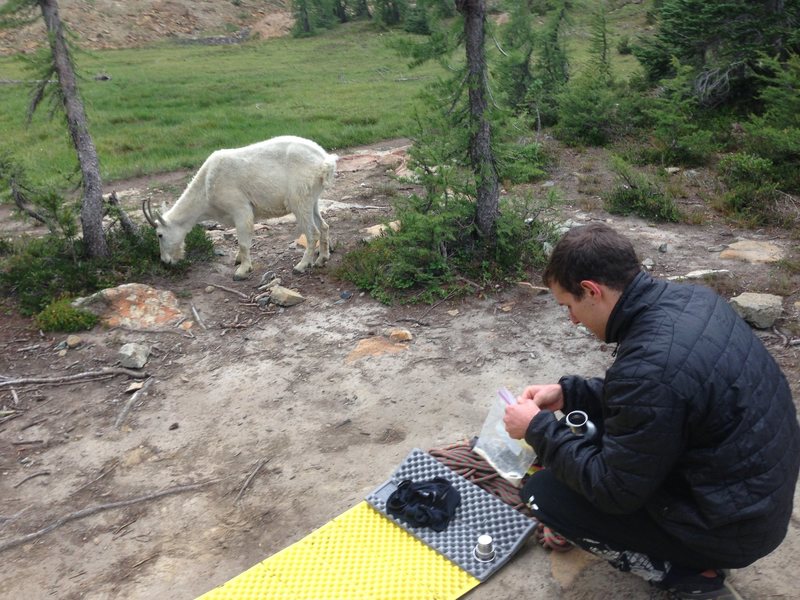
[[91, 510], [197, 317], [128, 226], [257, 468], [130, 402], [16, 485], [22, 202], [780, 334], [77, 376], [231, 290], [103, 474]]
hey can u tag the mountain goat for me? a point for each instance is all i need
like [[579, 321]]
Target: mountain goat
[[236, 186]]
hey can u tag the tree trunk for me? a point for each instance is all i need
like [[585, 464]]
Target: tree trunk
[[92, 205], [480, 145]]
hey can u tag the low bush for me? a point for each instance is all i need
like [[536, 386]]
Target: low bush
[[639, 195], [437, 252], [60, 315], [47, 269]]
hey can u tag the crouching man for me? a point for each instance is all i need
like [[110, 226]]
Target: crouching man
[[693, 466]]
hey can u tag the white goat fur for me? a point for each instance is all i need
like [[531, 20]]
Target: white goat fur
[[237, 186]]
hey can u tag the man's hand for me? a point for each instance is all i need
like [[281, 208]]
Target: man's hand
[[518, 417], [546, 397]]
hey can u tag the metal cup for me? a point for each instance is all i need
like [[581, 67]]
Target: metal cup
[[484, 550]]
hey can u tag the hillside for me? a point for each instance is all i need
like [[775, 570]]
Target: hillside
[[103, 24]]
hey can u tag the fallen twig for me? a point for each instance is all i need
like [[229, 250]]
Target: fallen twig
[[103, 474], [409, 320], [197, 317], [130, 402], [231, 290], [77, 376], [33, 424], [141, 562], [780, 334], [257, 468], [16, 485], [122, 527], [91, 510]]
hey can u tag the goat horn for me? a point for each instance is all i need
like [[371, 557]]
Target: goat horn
[[147, 212], [160, 218]]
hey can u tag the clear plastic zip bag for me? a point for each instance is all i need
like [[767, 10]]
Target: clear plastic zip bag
[[509, 457]]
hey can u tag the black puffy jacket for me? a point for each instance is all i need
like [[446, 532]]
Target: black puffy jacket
[[697, 425]]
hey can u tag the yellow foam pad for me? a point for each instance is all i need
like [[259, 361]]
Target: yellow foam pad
[[359, 555]]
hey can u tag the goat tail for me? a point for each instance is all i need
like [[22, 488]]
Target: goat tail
[[328, 170]]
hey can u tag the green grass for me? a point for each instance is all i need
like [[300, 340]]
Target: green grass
[[170, 106]]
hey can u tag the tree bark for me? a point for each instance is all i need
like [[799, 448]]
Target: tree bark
[[92, 205], [480, 145]]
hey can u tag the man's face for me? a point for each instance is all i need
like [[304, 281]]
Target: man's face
[[589, 309]]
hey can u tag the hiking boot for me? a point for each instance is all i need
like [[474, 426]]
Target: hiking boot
[[700, 587]]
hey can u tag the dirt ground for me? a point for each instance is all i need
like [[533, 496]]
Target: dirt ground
[[316, 394]]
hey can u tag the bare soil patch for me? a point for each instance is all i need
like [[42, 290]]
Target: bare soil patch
[[314, 393]]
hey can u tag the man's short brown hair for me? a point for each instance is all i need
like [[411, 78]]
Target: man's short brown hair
[[595, 252]]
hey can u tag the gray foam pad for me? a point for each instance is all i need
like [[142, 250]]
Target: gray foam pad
[[479, 513]]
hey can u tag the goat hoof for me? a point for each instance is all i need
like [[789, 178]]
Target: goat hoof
[[241, 276]]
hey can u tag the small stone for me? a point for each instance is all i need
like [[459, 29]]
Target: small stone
[[173, 427], [73, 341], [400, 335], [133, 356], [345, 295], [209, 289]]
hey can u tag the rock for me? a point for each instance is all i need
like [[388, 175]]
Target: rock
[[535, 290], [73, 341], [648, 263], [370, 233], [753, 252], [209, 289], [284, 296], [719, 248], [702, 274], [133, 305], [665, 248], [400, 335], [760, 310], [133, 356], [672, 170]]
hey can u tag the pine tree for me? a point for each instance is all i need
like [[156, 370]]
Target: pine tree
[[721, 41]]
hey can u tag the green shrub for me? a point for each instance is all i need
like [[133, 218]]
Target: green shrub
[[586, 112], [437, 252], [637, 194], [520, 162], [753, 194], [624, 46], [50, 268], [60, 315]]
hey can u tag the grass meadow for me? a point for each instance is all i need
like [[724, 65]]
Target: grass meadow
[[168, 107]]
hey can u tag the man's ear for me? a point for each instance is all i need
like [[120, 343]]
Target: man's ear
[[592, 288]]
